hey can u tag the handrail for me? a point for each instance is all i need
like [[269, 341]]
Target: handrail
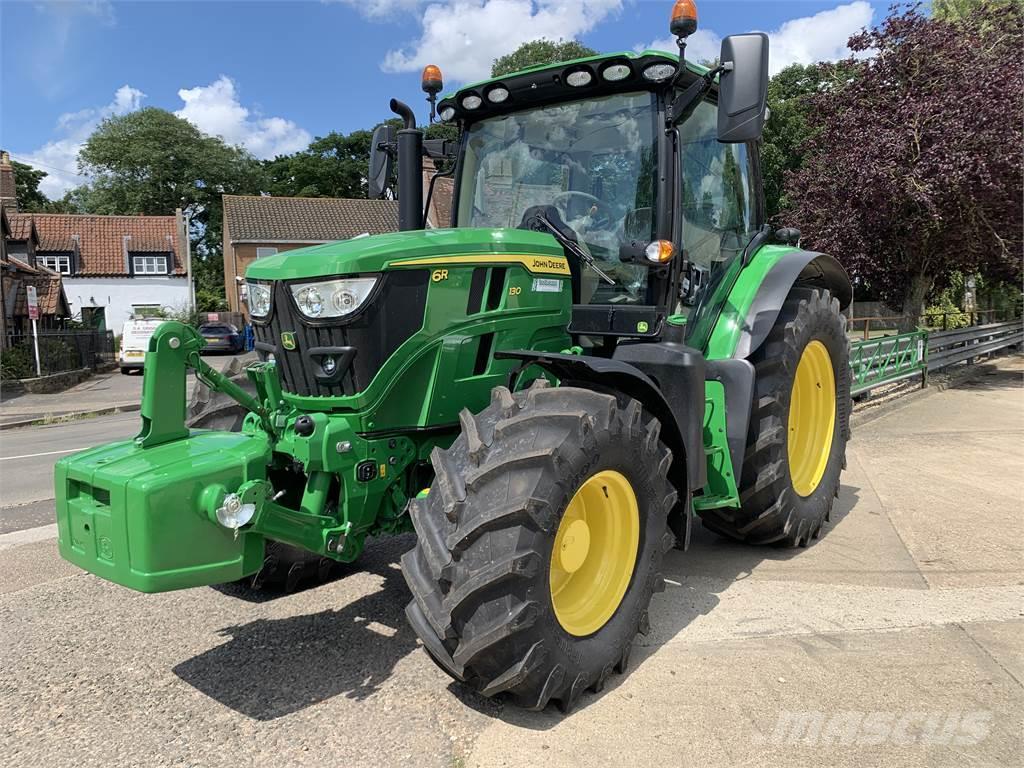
[[889, 359]]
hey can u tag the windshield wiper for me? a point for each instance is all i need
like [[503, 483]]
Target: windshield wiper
[[573, 248]]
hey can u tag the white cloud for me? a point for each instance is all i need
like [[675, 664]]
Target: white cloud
[[59, 158], [806, 40], [379, 9], [702, 45], [216, 110], [464, 37], [213, 109]]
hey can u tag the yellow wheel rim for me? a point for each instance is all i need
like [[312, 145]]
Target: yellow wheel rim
[[812, 418], [594, 553]]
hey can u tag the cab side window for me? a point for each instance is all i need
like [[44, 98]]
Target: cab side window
[[719, 207]]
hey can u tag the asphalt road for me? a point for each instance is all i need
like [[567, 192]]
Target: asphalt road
[[894, 640], [27, 457]]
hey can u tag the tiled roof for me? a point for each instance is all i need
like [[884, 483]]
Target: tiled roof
[[21, 225], [303, 219], [102, 240], [49, 289]]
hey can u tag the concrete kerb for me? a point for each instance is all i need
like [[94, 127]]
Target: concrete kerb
[[36, 421]]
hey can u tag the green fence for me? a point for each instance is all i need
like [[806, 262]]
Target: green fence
[[889, 359]]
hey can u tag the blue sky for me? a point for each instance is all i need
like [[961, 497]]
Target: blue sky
[[271, 75]]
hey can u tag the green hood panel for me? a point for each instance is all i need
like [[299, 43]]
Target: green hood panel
[[379, 252]]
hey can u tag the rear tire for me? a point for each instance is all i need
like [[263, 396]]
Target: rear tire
[[786, 500], [284, 566], [483, 571]]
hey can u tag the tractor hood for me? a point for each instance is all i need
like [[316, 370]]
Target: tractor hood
[[380, 252]]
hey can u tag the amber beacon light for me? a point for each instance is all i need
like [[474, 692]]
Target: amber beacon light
[[432, 81], [684, 18]]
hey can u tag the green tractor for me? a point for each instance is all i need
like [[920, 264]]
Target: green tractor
[[608, 343]]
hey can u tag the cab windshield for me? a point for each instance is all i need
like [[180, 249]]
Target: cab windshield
[[594, 160]]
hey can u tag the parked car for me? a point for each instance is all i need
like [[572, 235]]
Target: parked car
[[135, 337], [222, 337]]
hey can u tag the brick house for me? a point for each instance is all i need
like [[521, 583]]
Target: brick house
[[111, 267], [18, 270], [115, 267], [255, 227]]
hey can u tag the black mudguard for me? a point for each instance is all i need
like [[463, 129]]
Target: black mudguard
[[803, 267]]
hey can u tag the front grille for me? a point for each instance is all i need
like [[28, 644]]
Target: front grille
[[360, 346]]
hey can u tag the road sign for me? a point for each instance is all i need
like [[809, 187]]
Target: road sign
[[33, 302], [33, 315]]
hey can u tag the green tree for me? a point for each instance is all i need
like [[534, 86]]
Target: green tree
[[955, 10], [152, 162], [537, 52], [788, 128], [30, 198], [26, 185], [334, 165]]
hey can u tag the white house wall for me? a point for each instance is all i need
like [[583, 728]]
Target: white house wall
[[118, 294]]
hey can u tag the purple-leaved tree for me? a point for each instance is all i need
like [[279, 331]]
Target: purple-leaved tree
[[916, 171]]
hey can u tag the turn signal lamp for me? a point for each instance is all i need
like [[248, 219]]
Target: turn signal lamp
[[684, 18], [432, 81], [660, 252]]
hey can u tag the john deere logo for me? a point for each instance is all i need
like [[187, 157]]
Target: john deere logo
[[642, 327], [288, 340]]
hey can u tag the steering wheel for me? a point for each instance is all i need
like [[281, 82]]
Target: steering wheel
[[561, 202]]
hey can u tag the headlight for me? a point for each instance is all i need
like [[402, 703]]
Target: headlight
[[659, 72], [259, 299], [332, 298]]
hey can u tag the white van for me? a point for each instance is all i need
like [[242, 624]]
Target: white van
[[135, 341]]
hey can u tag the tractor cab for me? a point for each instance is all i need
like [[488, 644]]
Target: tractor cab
[[628, 161]]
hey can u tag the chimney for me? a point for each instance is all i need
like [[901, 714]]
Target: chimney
[[8, 193]]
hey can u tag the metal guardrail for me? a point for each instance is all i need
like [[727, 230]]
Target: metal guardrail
[[950, 347], [890, 359], [887, 360]]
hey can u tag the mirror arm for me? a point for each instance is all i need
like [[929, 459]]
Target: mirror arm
[[686, 101], [440, 149], [430, 191]]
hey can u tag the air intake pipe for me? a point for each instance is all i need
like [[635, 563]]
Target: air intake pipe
[[410, 169]]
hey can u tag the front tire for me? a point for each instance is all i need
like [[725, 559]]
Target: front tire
[[540, 543], [799, 426]]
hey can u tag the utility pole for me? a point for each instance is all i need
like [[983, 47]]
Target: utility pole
[[184, 223]]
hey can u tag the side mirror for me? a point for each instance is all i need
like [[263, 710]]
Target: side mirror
[[743, 87], [382, 161]]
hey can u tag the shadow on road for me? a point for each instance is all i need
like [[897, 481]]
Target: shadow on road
[[989, 377], [274, 667]]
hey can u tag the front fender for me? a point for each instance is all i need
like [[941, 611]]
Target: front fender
[[757, 297], [668, 380]]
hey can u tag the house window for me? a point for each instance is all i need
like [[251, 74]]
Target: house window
[[60, 264], [147, 310], [149, 265], [265, 251]]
